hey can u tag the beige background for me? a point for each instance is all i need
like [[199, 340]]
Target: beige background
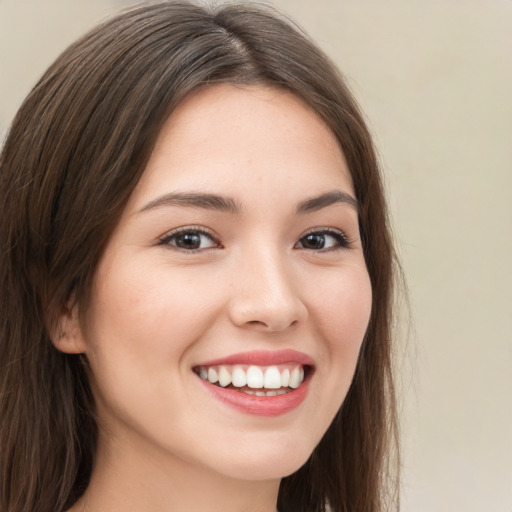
[[435, 79]]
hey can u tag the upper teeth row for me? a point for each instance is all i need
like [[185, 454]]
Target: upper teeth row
[[255, 377]]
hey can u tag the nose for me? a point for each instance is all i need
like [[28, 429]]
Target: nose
[[265, 296]]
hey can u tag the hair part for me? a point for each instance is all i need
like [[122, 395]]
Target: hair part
[[75, 151]]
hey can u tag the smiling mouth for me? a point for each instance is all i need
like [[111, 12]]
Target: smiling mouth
[[255, 380]]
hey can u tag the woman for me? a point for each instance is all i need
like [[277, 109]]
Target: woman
[[196, 275]]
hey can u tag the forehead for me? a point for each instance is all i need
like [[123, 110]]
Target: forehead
[[236, 139]]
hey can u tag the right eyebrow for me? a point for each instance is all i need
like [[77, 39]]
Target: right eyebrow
[[194, 200], [327, 199]]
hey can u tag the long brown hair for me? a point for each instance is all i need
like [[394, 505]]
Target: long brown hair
[[75, 151]]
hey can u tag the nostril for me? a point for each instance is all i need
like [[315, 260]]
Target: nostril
[[257, 324], [271, 325]]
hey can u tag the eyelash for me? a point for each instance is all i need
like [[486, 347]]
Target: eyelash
[[343, 242], [166, 239]]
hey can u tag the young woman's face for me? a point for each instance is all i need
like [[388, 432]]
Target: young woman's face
[[237, 258]]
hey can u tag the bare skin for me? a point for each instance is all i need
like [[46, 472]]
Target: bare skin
[[274, 265]]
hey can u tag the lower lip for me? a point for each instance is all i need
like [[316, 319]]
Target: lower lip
[[260, 405]]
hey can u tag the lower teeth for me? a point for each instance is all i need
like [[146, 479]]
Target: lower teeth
[[265, 393], [257, 392]]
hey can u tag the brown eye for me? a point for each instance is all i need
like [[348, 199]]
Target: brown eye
[[190, 240], [313, 241], [323, 240]]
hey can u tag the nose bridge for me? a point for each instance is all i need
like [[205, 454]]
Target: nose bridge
[[265, 294]]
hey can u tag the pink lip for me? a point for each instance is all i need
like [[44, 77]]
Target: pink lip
[[262, 405], [264, 358]]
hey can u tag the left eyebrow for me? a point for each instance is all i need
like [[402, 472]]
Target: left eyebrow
[[194, 200], [327, 199]]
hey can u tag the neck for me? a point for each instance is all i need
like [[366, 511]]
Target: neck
[[133, 478]]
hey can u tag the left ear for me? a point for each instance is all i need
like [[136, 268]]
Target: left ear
[[67, 335]]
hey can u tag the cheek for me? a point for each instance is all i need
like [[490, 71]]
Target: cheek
[[342, 306], [140, 329], [144, 318], [342, 313]]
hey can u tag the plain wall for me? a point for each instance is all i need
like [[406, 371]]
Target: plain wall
[[435, 80]]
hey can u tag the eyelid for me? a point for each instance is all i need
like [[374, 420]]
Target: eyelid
[[345, 242], [164, 239]]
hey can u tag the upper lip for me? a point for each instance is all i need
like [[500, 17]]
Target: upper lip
[[263, 358]]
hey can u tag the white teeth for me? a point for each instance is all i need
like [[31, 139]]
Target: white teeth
[[295, 378], [285, 378], [224, 377], [212, 375], [254, 377], [265, 393], [239, 377], [259, 392], [272, 378]]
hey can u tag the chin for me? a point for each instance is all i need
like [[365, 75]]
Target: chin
[[269, 464]]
